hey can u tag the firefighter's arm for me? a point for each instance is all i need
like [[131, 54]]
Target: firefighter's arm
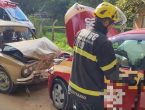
[[109, 65], [107, 61]]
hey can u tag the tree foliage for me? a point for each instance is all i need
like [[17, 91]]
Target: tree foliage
[[91, 3], [130, 8], [31, 6], [56, 9], [53, 9]]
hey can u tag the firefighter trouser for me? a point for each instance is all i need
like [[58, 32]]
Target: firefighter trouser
[[79, 105]]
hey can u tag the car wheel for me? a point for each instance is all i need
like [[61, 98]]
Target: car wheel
[[60, 95], [6, 84]]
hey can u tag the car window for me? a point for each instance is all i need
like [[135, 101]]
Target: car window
[[134, 50], [15, 34], [117, 44], [27, 34], [17, 13], [4, 15]]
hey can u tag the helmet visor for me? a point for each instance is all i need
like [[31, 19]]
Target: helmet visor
[[119, 17]]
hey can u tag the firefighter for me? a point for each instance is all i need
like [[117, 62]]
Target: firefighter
[[94, 58]]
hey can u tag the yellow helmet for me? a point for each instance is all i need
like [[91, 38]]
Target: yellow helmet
[[107, 10]]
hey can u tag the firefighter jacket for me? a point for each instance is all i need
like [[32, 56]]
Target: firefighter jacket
[[94, 58]]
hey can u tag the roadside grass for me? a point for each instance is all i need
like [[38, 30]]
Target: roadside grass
[[60, 37], [60, 40]]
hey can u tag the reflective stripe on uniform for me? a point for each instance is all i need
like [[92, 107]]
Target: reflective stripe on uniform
[[85, 91], [109, 66], [85, 54]]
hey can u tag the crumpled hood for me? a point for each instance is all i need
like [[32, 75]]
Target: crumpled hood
[[37, 48]]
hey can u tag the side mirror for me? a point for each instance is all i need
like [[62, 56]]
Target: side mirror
[[123, 61]]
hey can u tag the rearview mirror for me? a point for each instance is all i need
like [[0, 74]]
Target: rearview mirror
[[123, 61]]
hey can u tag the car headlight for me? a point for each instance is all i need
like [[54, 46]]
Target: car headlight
[[27, 71]]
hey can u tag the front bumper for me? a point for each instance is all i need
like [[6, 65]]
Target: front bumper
[[36, 76]]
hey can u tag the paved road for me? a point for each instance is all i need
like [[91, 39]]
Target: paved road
[[39, 99]]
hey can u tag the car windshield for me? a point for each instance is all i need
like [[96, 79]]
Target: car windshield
[[17, 13], [14, 34], [133, 50]]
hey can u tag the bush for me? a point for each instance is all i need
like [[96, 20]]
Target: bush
[[60, 40]]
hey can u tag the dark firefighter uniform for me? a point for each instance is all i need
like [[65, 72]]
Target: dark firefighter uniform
[[94, 58]]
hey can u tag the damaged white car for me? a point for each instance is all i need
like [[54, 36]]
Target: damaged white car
[[23, 58]]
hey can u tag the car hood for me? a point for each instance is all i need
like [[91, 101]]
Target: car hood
[[38, 48]]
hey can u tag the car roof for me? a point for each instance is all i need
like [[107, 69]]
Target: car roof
[[11, 23], [136, 34], [135, 31]]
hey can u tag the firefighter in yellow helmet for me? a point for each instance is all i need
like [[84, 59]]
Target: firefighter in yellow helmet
[[94, 58]]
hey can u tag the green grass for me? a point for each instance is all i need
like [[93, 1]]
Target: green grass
[[60, 40]]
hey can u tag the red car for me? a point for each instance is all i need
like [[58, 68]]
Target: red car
[[129, 45]]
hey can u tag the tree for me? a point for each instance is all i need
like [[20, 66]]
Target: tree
[[31, 6], [56, 9], [91, 3], [130, 8]]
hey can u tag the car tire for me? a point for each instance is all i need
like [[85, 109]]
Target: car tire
[[6, 84], [59, 94]]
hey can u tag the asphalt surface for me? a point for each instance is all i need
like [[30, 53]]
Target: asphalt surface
[[20, 100]]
